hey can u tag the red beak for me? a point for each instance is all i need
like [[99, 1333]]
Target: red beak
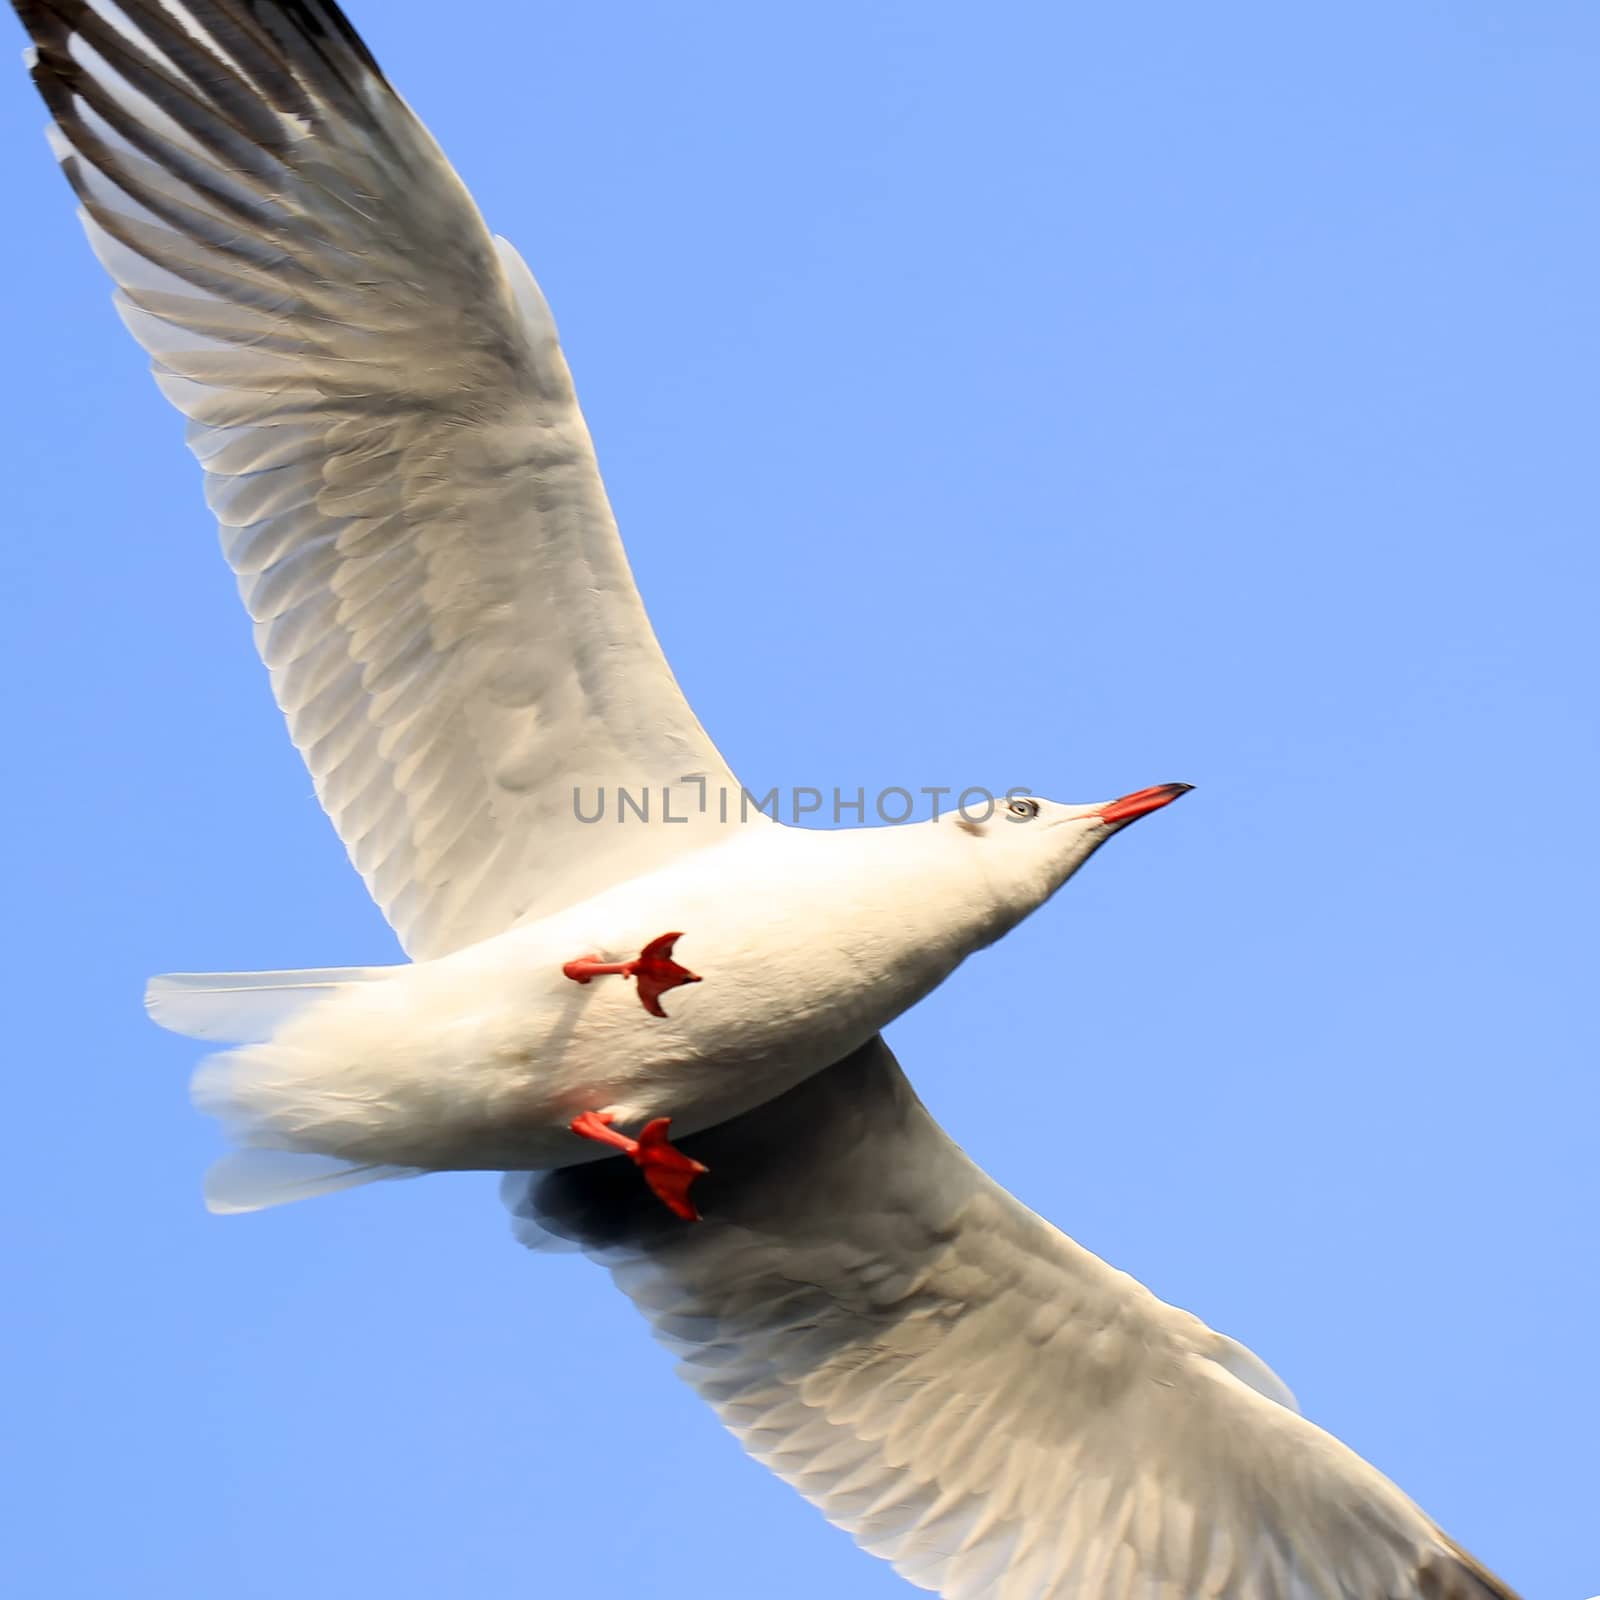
[[1143, 800]]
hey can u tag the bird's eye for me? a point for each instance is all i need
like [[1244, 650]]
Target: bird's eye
[[1022, 810]]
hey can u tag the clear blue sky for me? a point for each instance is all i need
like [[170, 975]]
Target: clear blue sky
[[1077, 396]]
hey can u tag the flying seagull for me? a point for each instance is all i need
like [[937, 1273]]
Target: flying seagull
[[666, 1032]]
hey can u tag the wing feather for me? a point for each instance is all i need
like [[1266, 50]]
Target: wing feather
[[972, 1395], [392, 448]]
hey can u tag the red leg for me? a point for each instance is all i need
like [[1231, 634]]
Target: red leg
[[667, 1170], [587, 967], [654, 970], [596, 1125]]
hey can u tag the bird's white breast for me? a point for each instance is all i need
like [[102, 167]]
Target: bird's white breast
[[806, 944]]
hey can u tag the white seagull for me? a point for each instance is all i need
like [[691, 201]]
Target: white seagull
[[408, 494]]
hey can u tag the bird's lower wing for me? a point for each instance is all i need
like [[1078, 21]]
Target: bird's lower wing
[[391, 444], [965, 1390]]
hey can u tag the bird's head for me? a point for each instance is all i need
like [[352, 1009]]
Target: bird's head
[[1028, 847]]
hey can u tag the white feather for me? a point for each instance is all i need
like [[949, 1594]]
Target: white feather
[[239, 1007], [394, 453]]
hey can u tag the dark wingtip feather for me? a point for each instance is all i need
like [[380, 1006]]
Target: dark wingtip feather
[[325, 27]]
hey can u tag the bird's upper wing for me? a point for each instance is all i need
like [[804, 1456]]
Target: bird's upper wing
[[391, 443], [969, 1393]]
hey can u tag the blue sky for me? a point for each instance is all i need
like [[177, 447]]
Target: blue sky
[[1081, 397]]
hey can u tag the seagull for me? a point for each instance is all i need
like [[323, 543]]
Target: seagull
[[661, 1020]]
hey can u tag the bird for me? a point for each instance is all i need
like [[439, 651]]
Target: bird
[[406, 490]]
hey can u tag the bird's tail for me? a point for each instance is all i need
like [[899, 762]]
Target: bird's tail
[[243, 1007], [254, 1180], [248, 1008]]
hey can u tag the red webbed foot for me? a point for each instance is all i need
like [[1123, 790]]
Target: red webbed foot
[[667, 1170], [653, 969]]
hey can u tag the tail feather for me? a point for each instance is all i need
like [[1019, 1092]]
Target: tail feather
[[248, 1009], [252, 1180], [243, 1007]]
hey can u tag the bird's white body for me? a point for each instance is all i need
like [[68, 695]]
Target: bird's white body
[[807, 943]]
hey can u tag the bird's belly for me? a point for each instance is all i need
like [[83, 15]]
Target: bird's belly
[[511, 1103], [482, 1060]]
